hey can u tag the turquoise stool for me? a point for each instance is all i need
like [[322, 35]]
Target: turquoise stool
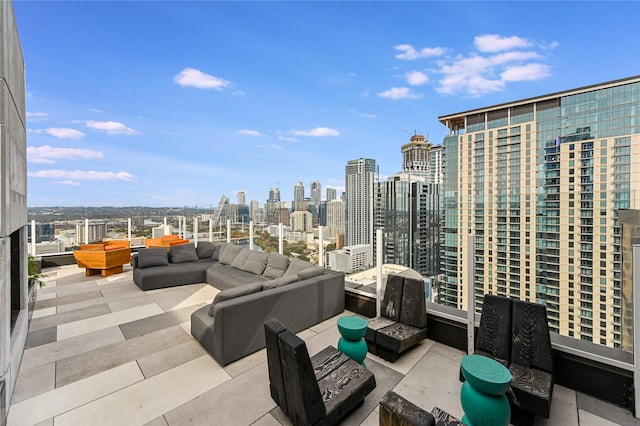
[[352, 343], [483, 393]]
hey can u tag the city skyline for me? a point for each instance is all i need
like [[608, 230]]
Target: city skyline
[[187, 102]]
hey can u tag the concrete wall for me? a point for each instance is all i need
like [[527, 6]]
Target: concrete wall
[[13, 196]]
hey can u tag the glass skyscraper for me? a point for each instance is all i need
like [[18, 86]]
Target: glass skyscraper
[[359, 182], [540, 183]]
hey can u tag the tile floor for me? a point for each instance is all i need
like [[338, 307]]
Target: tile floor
[[100, 351]]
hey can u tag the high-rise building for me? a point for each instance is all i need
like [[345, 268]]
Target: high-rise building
[[273, 202], [540, 183], [335, 217], [241, 198], [359, 182], [332, 194], [254, 210], [97, 231], [298, 195], [407, 209], [315, 190], [420, 158], [301, 221]]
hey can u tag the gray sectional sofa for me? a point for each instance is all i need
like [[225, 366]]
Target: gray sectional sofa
[[254, 287]]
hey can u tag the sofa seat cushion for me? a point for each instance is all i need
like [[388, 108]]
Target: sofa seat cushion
[[148, 257], [183, 253], [256, 263], [276, 265], [229, 254], [233, 292], [400, 337], [532, 388], [224, 276], [173, 274], [205, 249]]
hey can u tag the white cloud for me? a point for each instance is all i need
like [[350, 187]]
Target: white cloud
[[410, 53], [60, 132], [82, 175], [288, 138], [271, 147], [111, 127], [66, 182], [46, 154], [496, 43], [250, 132], [416, 78], [191, 77], [36, 116], [318, 131], [398, 93], [526, 72]]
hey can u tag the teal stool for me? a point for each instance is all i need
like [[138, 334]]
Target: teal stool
[[483, 393], [352, 343]]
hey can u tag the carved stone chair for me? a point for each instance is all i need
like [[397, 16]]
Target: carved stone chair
[[319, 390], [403, 320]]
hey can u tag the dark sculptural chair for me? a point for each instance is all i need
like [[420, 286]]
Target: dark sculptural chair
[[516, 334], [403, 320], [319, 390]]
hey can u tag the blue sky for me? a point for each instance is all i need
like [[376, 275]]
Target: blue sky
[[178, 103]]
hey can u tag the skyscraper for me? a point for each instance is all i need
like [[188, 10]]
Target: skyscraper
[[316, 192], [241, 198], [359, 181], [272, 204], [540, 183], [407, 209], [332, 193], [298, 195], [335, 217]]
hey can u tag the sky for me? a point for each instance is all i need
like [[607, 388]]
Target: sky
[[172, 104]]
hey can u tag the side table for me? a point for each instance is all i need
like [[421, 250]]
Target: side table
[[352, 343], [483, 393]]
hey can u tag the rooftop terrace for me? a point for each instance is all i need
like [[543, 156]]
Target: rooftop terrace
[[100, 351]]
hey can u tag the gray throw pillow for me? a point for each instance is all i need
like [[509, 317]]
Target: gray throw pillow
[[241, 259], [183, 253], [279, 282], [234, 292], [205, 249], [148, 257], [229, 253], [276, 265], [297, 265], [310, 272], [256, 262]]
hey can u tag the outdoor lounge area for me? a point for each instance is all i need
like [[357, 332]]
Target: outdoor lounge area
[[101, 351]]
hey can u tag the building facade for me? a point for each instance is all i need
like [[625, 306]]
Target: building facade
[[420, 158], [301, 221], [359, 182], [332, 194], [540, 183], [335, 217]]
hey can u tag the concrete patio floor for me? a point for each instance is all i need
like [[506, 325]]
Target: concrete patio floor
[[100, 351]]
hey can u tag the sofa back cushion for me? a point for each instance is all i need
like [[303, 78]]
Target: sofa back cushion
[[183, 253], [148, 257], [234, 292], [276, 265], [297, 265], [229, 253], [241, 259], [217, 250], [205, 249], [256, 263], [279, 282]]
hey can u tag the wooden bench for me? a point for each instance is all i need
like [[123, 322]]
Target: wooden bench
[[165, 242], [104, 258], [403, 320], [319, 390], [398, 411], [516, 334]]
